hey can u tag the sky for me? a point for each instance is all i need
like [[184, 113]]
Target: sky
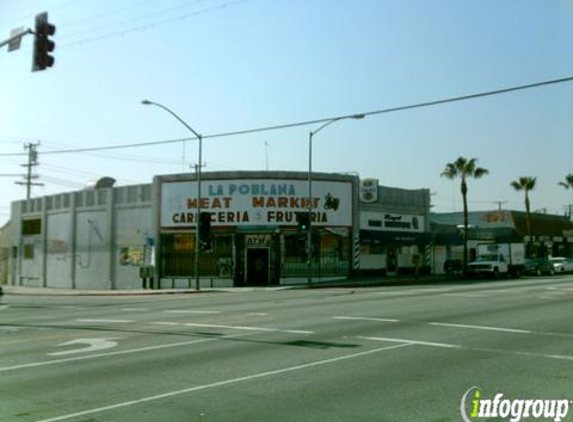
[[232, 65]]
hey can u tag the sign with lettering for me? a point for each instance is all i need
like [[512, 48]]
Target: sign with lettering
[[386, 221], [256, 202]]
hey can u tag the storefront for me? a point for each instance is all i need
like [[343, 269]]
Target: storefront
[[254, 237], [108, 237], [394, 230]]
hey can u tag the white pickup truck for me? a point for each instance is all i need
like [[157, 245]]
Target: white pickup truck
[[495, 259]]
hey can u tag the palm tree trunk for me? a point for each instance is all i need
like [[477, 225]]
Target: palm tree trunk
[[465, 201], [528, 223]]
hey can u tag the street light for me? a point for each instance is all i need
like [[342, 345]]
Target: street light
[[200, 138], [309, 202]]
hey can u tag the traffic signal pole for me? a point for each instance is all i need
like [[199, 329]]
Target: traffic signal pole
[[16, 38]]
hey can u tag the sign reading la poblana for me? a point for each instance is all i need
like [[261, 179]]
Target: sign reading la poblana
[[254, 202]]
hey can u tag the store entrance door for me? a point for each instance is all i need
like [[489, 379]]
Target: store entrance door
[[392, 260], [257, 266]]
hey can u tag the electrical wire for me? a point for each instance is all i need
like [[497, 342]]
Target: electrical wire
[[309, 122]]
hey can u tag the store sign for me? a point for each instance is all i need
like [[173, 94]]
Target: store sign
[[385, 221], [368, 190], [256, 202]]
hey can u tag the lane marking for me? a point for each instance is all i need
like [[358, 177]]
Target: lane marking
[[481, 327], [413, 342], [464, 295], [93, 345], [223, 383], [135, 309], [475, 349], [166, 323], [184, 311], [443, 324], [106, 321], [351, 318], [118, 353], [257, 313], [235, 327], [4, 307]]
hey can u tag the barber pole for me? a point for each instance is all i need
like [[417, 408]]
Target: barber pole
[[356, 253]]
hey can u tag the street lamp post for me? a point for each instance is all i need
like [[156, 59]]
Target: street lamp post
[[309, 200], [200, 138]]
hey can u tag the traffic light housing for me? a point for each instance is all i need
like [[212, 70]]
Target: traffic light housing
[[303, 220], [43, 45], [205, 230]]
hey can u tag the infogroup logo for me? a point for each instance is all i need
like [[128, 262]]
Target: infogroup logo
[[474, 407]]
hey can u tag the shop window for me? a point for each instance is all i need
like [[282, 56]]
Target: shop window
[[295, 248], [32, 227]]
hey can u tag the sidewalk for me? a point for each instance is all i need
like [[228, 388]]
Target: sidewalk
[[342, 283]]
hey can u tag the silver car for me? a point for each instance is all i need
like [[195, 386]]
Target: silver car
[[562, 265]]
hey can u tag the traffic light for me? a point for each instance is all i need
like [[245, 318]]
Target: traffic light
[[42, 44], [303, 220], [205, 230]]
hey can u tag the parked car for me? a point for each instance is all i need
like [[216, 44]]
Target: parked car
[[562, 265], [453, 266], [539, 266]]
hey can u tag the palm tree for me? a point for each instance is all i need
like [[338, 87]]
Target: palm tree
[[526, 183], [568, 183], [464, 168]]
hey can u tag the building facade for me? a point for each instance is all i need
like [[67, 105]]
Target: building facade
[[108, 237]]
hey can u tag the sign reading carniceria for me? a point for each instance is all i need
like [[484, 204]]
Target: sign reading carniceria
[[255, 202]]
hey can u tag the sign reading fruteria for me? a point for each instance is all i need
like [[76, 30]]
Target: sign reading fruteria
[[256, 202]]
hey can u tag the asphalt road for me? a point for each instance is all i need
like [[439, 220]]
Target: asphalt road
[[370, 354]]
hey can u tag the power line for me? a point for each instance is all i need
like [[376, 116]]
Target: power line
[[130, 20], [143, 27], [311, 122]]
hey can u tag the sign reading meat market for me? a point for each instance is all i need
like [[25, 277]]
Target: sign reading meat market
[[256, 202]]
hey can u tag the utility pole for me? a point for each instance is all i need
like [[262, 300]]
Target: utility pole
[[568, 210], [32, 163], [499, 203]]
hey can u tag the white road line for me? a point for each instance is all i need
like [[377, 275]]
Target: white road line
[[464, 295], [4, 307], [184, 311], [106, 321], [460, 347], [166, 323], [351, 318], [116, 353], [440, 324], [412, 342], [480, 327], [222, 383], [257, 314], [235, 327], [135, 309]]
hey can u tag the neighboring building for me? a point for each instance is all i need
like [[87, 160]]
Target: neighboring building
[[100, 238], [551, 235], [5, 236], [394, 229]]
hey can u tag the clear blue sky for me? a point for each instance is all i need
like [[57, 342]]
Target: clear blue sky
[[226, 65]]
